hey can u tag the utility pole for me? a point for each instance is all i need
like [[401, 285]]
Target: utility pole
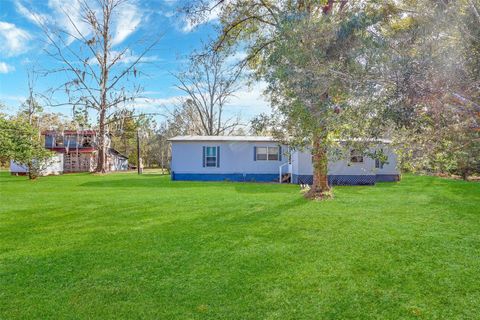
[[139, 159]]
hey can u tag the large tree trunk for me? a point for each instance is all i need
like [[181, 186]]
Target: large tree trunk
[[320, 188], [101, 163], [102, 152]]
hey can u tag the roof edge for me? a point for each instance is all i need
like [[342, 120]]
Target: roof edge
[[223, 138]]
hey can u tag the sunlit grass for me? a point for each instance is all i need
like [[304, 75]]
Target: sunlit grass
[[126, 246]]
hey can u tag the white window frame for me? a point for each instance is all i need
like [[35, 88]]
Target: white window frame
[[268, 153]]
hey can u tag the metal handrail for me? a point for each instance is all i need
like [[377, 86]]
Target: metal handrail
[[280, 171]]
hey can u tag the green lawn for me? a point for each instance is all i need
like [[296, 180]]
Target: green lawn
[[123, 246]]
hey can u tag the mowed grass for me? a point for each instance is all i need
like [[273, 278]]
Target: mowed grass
[[123, 246]]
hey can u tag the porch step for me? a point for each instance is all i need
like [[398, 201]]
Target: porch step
[[286, 178]]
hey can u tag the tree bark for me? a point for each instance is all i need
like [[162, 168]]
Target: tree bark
[[101, 168], [101, 165], [320, 188]]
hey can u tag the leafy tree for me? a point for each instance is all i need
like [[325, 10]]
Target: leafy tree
[[124, 126], [265, 124], [431, 81], [316, 57], [20, 142]]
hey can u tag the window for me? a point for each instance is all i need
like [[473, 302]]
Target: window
[[58, 141], [87, 141], [273, 153], [262, 153], [356, 156], [267, 153], [210, 154]]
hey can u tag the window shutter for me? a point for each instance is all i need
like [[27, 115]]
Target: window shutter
[[254, 153], [279, 153], [218, 157], [203, 158]]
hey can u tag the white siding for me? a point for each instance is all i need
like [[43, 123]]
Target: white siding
[[235, 157], [391, 166], [52, 166], [17, 168], [302, 165]]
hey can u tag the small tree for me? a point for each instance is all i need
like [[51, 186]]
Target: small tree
[[19, 141]]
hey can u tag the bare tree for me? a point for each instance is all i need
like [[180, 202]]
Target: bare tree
[[208, 83], [99, 77], [31, 107]]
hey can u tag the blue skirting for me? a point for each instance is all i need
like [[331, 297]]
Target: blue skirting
[[338, 180], [387, 177], [249, 177]]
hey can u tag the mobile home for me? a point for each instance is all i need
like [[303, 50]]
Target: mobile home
[[264, 159]]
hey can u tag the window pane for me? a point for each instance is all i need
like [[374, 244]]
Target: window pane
[[273, 153], [261, 150], [59, 141], [211, 161], [211, 151], [261, 153], [356, 156], [273, 156]]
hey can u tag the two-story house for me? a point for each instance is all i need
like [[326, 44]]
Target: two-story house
[[76, 151]]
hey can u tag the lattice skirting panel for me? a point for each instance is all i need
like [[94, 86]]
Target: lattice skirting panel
[[339, 180]]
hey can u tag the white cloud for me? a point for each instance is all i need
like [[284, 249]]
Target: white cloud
[[5, 68], [250, 100], [34, 17], [64, 13], [157, 102], [12, 99], [236, 57], [126, 22], [128, 57], [68, 17], [13, 39], [131, 58]]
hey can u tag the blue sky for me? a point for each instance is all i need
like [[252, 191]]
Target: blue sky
[[23, 48]]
